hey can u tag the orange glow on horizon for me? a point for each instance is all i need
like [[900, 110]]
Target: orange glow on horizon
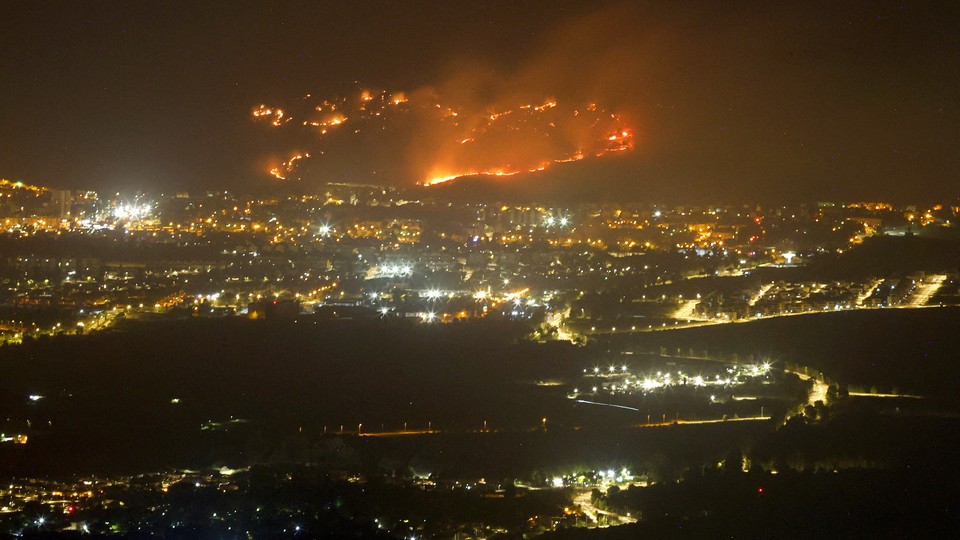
[[623, 139], [491, 140]]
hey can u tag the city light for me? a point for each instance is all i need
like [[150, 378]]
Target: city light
[[318, 269], [131, 212]]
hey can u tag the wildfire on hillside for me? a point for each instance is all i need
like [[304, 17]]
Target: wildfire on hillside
[[429, 141]]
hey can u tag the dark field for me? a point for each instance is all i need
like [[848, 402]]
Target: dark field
[[895, 350], [260, 392]]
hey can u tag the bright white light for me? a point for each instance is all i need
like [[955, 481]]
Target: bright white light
[[395, 270], [557, 482], [433, 293], [429, 316], [131, 212], [550, 221], [324, 230], [564, 221], [657, 214], [35, 397]]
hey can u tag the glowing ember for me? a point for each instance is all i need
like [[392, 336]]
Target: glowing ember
[[287, 167], [430, 142]]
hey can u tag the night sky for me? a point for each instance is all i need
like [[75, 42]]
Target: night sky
[[730, 100]]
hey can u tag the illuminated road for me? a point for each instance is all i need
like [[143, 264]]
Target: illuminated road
[[586, 506], [868, 292], [100, 321], [737, 272], [867, 394], [673, 422], [679, 325], [556, 320], [687, 311], [608, 405], [398, 433], [926, 289], [700, 422], [756, 298], [436, 431]]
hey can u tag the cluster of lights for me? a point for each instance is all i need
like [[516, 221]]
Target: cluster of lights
[[131, 212], [396, 270], [664, 379], [592, 478], [562, 221]]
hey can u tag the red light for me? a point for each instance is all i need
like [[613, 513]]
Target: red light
[[759, 490], [70, 509]]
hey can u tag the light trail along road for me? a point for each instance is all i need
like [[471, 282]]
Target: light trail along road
[[586, 506]]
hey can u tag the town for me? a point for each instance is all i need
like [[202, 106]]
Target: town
[[662, 315], [78, 261]]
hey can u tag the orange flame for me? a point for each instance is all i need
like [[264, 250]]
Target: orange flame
[[495, 142]]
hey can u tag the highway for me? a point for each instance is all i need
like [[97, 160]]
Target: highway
[[868, 394], [679, 325], [437, 431]]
